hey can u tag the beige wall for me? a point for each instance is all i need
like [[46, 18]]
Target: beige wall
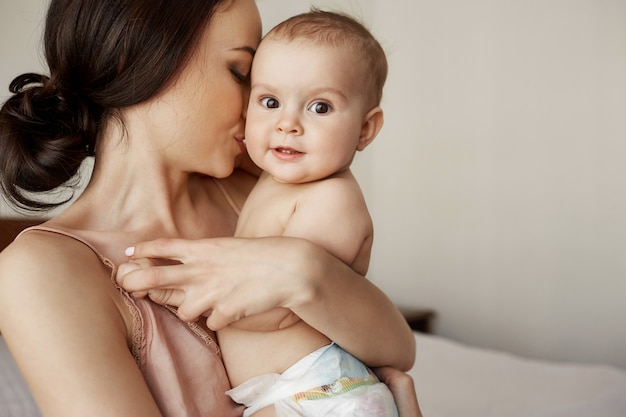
[[20, 35], [497, 185]]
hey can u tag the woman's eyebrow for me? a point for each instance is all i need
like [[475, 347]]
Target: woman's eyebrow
[[248, 49]]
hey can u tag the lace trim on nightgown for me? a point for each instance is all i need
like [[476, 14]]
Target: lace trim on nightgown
[[134, 310], [201, 331]]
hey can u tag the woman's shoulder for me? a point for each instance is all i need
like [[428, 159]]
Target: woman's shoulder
[[46, 251], [46, 267], [60, 315]]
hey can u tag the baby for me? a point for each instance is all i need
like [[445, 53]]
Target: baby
[[317, 81]]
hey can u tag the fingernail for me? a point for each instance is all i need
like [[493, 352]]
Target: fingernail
[[130, 251]]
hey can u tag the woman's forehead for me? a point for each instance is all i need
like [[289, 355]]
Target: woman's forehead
[[237, 24]]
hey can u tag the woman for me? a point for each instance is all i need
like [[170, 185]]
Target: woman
[[156, 92]]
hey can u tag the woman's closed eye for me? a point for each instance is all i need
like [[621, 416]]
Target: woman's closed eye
[[239, 77]]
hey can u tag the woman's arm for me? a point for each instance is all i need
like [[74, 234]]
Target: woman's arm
[[60, 318], [231, 278]]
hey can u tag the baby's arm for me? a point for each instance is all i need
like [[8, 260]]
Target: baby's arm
[[333, 215]]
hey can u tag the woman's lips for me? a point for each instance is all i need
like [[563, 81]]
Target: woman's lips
[[242, 144]]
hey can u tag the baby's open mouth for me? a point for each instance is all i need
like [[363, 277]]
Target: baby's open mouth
[[287, 151]]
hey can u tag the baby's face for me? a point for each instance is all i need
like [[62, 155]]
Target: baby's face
[[306, 111]]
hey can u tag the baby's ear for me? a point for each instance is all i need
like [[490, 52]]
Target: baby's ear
[[372, 123]]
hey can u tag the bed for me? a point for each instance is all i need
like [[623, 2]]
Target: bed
[[452, 379]]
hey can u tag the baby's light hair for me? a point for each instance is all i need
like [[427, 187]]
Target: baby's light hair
[[339, 30]]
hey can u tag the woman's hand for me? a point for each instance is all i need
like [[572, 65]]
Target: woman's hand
[[226, 279], [403, 389], [210, 277]]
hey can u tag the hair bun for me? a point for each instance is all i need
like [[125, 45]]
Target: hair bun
[[24, 82], [45, 135]]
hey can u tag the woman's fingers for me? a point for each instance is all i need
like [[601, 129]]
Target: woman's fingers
[[146, 274], [140, 278], [164, 248], [402, 387], [167, 297], [230, 303], [125, 269], [129, 276], [180, 249], [178, 285]]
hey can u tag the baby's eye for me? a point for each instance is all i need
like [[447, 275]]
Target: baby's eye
[[320, 107], [270, 103]]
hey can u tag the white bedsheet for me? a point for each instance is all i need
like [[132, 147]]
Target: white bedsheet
[[454, 380]]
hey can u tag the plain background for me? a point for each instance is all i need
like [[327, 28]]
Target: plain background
[[498, 183]]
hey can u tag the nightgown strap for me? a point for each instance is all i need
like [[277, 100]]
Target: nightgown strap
[[227, 196], [103, 258]]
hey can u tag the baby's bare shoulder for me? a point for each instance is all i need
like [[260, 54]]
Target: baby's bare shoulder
[[341, 192]]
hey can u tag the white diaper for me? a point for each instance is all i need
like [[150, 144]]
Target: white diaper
[[327, 382]]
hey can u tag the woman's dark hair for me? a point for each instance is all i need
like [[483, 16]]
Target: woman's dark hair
[[102, 56]]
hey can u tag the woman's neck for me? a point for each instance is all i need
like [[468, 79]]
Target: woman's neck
[[135, 190]]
